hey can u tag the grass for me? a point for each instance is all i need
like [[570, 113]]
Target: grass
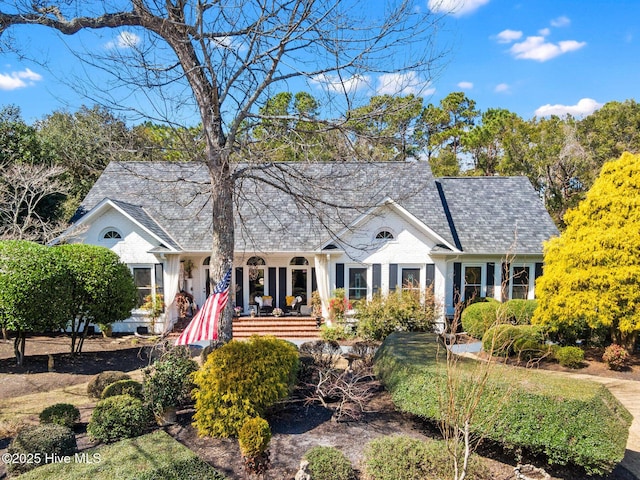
[[149, 456]]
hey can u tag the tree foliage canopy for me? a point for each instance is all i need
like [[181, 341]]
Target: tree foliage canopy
[[592, 270], [103, 290], [35, 292]]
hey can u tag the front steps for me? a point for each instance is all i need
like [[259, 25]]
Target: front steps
[[280, 327]]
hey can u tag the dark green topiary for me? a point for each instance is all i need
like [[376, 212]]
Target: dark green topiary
[[478, 317], [115, 418], [328, 463], [506, 340], [37, 445], [571, 357], [63, 414], [123, 387], [103, 380]]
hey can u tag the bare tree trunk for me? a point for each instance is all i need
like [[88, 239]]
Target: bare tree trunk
[[18, 346]]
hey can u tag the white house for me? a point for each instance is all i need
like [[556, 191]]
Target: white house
[[300, 227]]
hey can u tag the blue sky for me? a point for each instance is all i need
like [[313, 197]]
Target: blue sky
[[533, 57]]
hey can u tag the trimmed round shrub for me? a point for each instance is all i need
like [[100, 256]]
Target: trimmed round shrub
[[40, 443], [517, 311], [103, 380], [531, 350], [328, 463], [616, 357], [570, 357], [405, 458], [63, 414], [254, 437], [123, 387], [115, 418], [478, 317], [241, 380], [505, 340]]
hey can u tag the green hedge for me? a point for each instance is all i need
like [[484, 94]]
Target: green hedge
[[569, 421]]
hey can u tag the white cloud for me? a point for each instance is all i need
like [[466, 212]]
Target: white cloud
[[584, 107], [124, 40], [535, 48], [508, 36], [402, 84], [544, 31], [465, 85], [455, 7], [562, 21], [22, 79], [502, 88], [337, 84]]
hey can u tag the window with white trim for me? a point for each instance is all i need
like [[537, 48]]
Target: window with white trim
[[520, 281], [357, 283], [410, 278], [149, 280], [472, 282]]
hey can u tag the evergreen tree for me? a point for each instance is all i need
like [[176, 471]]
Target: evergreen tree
[[592, 273]]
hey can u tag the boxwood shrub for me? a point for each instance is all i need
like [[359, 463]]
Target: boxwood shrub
[[478, 317], [571, 357], [568, 421], [103, 380], [506, 339], [119, 417], [328, 463], [63, 414], [404, 458], [123, 387], [39, 443]]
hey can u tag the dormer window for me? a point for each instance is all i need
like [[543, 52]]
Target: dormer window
[[384, 235]]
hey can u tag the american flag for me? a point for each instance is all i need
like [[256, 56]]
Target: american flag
[[204, 326]]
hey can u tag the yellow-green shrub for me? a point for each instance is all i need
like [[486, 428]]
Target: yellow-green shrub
[[254, 437], [239, 381]]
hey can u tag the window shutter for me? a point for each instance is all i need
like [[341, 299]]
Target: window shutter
[[491, 279], [282, 287], [377, 277], [339, 275], [239, 290], [314, 280], [539, 268], [430, 280], [393, 276], [457, 282], [272, 282]]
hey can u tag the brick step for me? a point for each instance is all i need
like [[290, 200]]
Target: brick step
[[280, 327]]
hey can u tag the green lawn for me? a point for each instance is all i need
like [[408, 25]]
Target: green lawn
[[150, 457]]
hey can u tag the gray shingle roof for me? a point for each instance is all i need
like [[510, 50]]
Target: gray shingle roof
[[497, 214], [299, 206]]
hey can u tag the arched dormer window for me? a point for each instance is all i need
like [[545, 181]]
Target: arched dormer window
[[111, 234], [299, 261], [384, 235]]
